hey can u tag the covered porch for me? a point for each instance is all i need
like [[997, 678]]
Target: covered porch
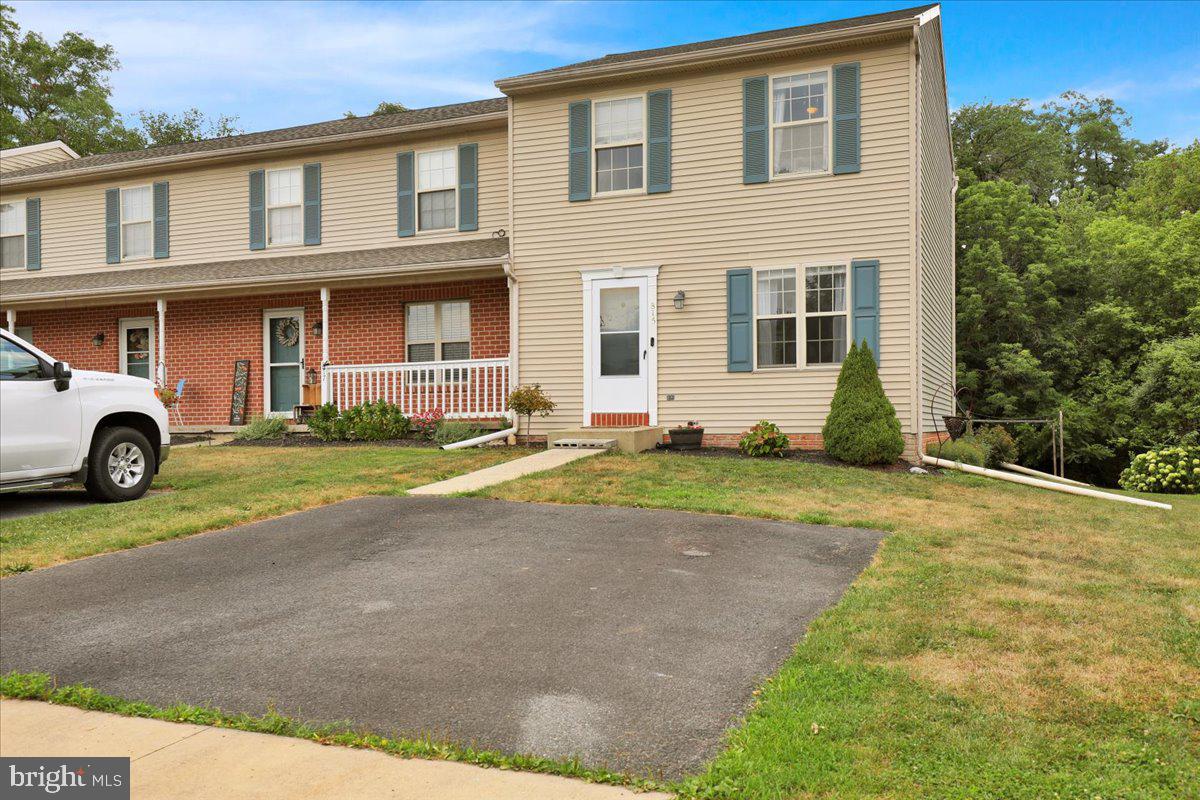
[[409, 325]]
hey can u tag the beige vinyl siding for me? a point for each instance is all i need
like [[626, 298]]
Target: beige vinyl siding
[[209, 206], [937, 326], [10, 163], [708, 223]]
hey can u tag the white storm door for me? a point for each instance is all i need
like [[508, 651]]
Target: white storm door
[[619, 367], [283, 360]]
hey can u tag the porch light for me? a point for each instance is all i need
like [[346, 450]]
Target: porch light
[[317, 328], [678, 299], [310, 376], [98, 339]]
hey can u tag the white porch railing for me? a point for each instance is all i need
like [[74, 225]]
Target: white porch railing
[[475, 388]]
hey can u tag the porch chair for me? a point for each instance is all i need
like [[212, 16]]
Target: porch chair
[[178, 400]]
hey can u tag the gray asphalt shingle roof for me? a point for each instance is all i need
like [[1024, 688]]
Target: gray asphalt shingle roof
[[749, 38], [248, 270], [337, 127]]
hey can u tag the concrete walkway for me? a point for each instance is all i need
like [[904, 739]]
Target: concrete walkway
[[538, 462], [174, 761]]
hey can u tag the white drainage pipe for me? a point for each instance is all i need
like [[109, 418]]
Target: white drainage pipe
[[1035, 473], [484, 439], [1039, 483]]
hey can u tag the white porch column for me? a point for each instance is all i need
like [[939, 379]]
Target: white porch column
[[324, 343], [12, 321], [161, 338]]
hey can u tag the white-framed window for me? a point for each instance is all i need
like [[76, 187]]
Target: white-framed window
[[285, 211], [788, 324], [439, 331], [618, 136], [12, 235], [437, 190], [800, 123], [137, 226]]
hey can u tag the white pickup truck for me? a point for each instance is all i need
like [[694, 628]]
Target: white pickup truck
[[106, 431]]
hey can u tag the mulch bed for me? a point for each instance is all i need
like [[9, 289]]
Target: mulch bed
[[308, 440], [189, 438], [805, 456]]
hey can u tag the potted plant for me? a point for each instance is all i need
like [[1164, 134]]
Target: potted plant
[[687, 436]]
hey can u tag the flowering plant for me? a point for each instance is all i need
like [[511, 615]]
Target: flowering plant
[[427, 422], [1174, 470], [691, 425]]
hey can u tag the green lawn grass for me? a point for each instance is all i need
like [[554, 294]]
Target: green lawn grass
[[216, 487], [1006, 642]]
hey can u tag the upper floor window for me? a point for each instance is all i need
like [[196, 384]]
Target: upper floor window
[[800, 123], [285, 214], [619, 137], [137, 228], [437, 182], [781, 316], [438, 331], [12, 234]]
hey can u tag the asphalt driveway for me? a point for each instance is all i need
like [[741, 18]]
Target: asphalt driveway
[[630, 638]]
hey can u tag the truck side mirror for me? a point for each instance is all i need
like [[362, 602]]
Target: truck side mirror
[[62, 376]]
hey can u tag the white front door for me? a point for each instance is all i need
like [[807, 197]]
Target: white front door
[[137, 347], [283, 359], [620, 342]]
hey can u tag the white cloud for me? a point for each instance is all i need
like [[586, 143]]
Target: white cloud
[[299, 62]]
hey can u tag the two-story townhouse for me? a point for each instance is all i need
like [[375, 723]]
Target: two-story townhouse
[[692, 232]]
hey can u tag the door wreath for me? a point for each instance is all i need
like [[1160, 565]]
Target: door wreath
[[287, 331]]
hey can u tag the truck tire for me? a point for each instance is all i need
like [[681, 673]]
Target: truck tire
[[120, 465]]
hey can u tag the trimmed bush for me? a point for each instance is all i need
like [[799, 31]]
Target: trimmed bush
[[455, 431], [1170, 470], [764, 439], [862, 427], [965, 449], [263, 428], [375, 421], [326, 424], [366, 422]]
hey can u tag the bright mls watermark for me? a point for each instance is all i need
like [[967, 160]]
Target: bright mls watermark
[[90, 778]]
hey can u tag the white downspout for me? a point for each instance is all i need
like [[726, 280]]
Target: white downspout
[[1053, 485], [324, 343], [162, 341], [12, 321]]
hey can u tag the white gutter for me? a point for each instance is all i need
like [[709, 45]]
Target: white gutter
[[1041, 484], [1037, 474]]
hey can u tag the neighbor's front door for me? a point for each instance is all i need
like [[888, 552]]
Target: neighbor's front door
[[283, 359], [619, 367]]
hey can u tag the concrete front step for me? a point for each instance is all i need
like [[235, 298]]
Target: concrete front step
[[629, 440]]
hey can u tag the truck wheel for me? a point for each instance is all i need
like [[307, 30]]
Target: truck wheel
[[120, 465]]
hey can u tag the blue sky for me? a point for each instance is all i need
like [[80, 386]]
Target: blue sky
[[280, 64]]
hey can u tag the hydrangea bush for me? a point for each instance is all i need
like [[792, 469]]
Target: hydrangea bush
[[764, 439], [1171, 470]]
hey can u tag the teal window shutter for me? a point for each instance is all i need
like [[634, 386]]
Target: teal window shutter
[[579, 169], [33, 233], [258, 210], [739, 300], [846, 133], [312, 203], [755, 155], [112, 226], [658, 141], [162, 220], [865, 281], [406, 195], [468, 187]]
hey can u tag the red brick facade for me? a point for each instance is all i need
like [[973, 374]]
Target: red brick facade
[[204, 337]]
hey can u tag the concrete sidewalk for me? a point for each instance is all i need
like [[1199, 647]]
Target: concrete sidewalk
[[175, 761], [538, 462]]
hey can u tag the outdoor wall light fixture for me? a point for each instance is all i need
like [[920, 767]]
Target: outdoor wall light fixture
[[678, 299], [318, 327], [98, 339]]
